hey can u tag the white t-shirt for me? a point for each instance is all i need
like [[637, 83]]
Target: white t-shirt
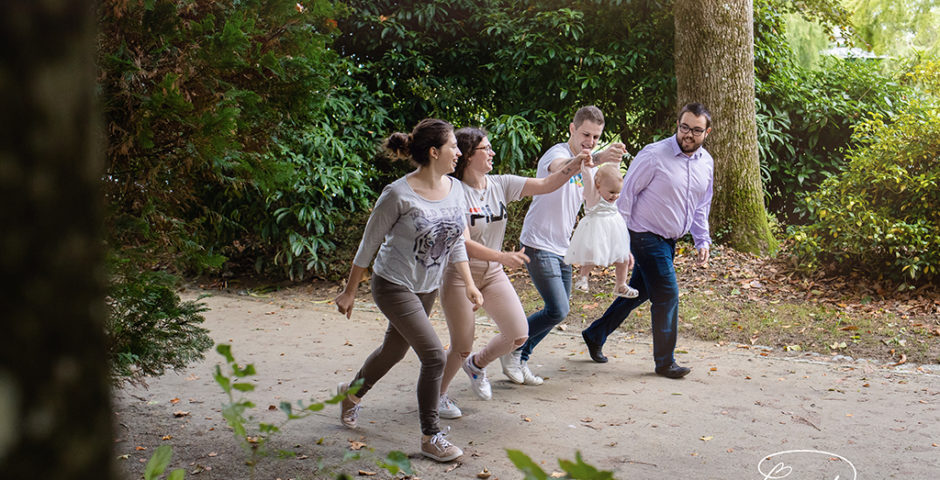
[[550, 219], [486, 209], [415, 237]]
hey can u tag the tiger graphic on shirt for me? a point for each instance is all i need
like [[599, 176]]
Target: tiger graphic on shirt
[[435, 236]]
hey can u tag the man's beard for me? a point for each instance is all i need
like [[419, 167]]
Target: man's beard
[[695, 146]]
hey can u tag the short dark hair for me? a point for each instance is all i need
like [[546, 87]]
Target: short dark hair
[[428, 133], [468, 138], [589, 112], [698, 110]]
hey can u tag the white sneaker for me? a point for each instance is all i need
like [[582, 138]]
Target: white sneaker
[[348, 409], [478, 381], [448, 409], [512, 366], [530, 378], [582, 284], [438, 448]]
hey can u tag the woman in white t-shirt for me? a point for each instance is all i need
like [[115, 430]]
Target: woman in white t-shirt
[[416, 229], [487, 197]]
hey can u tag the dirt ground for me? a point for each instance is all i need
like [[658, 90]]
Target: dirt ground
[[815, 416]]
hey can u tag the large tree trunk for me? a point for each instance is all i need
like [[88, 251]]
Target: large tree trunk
[[714, 56], [55, 420]]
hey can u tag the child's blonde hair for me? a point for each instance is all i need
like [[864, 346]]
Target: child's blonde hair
[[608, 172]]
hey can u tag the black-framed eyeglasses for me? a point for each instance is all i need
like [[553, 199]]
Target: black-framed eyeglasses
[[488, 149], [696, 132]]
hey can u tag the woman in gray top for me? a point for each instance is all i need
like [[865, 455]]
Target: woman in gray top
[[417, 227]]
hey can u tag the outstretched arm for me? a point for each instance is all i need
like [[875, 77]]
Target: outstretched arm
[[561, 170], [613, 153], [509, 259]]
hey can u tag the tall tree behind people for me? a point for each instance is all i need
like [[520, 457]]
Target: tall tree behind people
[[55, 420], [714, 57]]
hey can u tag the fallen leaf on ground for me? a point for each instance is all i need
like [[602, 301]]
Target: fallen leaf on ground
[[180, 413], [366, 473], [902, 361], [354, 445], [706, 438]]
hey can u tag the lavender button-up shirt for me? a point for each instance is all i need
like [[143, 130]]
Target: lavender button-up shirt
[[668, 193]]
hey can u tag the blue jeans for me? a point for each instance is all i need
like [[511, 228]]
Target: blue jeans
[[654, 275], [552, 278]]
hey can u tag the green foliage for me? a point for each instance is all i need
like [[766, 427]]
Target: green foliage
[[253, 435], [806, 39], [149, 328], [898, 28], [805, 117], [158, 463], [882, 214], [573, 470], [231, 127], [528, 64]]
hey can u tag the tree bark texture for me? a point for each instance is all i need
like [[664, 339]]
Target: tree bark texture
[[714, 57], [55, 420]]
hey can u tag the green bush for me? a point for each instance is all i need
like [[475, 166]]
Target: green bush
[[149, 329], [805, 118], [882, 214], [233, 131]]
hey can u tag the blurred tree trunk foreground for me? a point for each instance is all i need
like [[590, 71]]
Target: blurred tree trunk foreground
[[714, 57], [55, 420]]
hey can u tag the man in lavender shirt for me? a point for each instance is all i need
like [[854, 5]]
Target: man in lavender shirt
[[666, 193]]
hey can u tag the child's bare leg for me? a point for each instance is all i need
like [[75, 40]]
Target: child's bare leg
[[585, 270], [622, 289], [620, 271], [583, 273]]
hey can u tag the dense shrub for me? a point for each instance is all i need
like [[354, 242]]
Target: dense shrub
[[882, 214], [805, 117], [233, 133], [149, 328], [232, 128], [509, 65]]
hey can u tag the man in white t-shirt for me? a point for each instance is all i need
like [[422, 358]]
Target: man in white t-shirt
[[546, 233]]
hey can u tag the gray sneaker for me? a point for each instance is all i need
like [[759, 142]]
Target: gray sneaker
[[437, 447], [512, 366], [478, 381], [448, 409], [348, 409], [530, 378]]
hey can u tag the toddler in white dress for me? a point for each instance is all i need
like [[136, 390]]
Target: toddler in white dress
[[601, 237]]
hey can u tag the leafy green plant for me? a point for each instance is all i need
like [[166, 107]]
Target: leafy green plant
[[573, 470], [253, 435], [231, 127], [149, 328], [158, 463], [805, 117], [881, 215]]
